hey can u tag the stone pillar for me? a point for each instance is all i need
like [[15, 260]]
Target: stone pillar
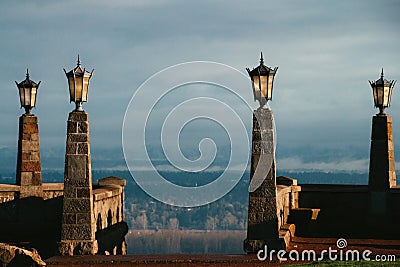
[[262, 223], [78, 223], [382, 172], [28, 174]]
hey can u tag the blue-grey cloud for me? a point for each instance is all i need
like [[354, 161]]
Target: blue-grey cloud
[[326, 51]]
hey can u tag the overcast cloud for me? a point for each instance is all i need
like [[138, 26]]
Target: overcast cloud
[[326, 52]]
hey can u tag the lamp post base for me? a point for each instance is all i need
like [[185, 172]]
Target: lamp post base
[[78, 106]]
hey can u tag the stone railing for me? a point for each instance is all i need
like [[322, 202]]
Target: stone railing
[[8, 192], [52, 190], [108, 206]]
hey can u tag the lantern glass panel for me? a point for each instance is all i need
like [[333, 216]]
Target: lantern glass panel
[[33, 97], [78, 88], [85, 88], [71, 86], [386, 96], [22, 95], [27, 98], [379, 92], [270, 84], [263, 84], [256, 86]]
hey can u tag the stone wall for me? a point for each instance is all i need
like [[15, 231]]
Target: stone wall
[[52, 190], [345, 211], [108, 209], [8, 192]]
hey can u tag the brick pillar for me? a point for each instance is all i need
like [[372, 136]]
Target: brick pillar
[[78, 224], [28, 174], [382, 172], [262, 222]]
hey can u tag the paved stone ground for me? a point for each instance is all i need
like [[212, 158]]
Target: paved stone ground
[[381, 247]]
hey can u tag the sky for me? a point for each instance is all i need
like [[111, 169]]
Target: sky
[[326, 52]]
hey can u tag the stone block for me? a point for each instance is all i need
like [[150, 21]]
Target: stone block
[[31, 166], [83, 218], [76, 166], [76, 205], [69, 218], [35, 156], [28, 146], [69, 182], [262, 147], [26, 178], [72, 127], [83, 192], [267, 135], [26, 156], [25, 136], [255, 217], [256, 136], [76, 232], [78, 116], [34, 137], [257, 204], [30, 128], [79, 138], [71, 148], [83, 127], [262, 119], [30, 119], [83, 148], [69, 191], [36, 178]]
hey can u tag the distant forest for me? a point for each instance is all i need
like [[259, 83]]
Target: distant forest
[[228, 213], [218, 227], [185, 242]]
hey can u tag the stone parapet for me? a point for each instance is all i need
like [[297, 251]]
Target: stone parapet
[[52, 190], [107, 192], [9, 192]]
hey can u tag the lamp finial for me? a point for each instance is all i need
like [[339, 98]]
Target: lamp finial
[[79, 61], [27, 74], [261, 59]]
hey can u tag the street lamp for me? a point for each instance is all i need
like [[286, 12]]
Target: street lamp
[[382, 91], [78, 82], [262, 78], [27, 93]]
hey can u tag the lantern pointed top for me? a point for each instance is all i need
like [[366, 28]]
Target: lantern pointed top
[[382, 92], [27, 93], [261, 59], [79, 61]]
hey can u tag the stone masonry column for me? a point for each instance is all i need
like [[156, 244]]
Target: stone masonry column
[[382, 172], [78, 224], [262, 224], [28, 174]]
